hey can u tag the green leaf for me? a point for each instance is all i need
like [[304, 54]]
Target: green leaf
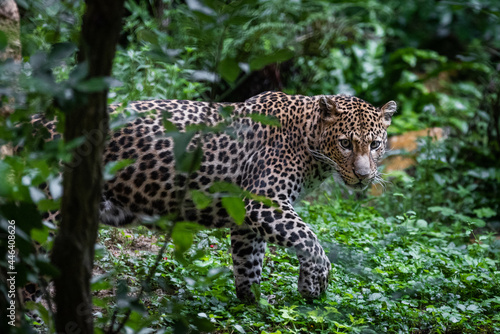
[[46, 268], [113, 167], [101, 282], [203, 325], [182, 238], [478, 222], [421, 224], [239, 328], [232, 189], [442, 210], [485, 212], [225, 111], [92, 85], [226, 187], [263, 199], [181, 142], [167, 124], [265, 119], [255, 288], [148, 36], [46, 204], [183, 235], [40, 235], [279, 56], [78, 73], [410, 59], [473, 308], [61, 51], [42, 311], [200, 199], [122, 297], [3, 40], [189, 162], [229, 70], [235, 207]]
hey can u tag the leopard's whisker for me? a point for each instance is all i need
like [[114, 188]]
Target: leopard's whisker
[[323, 158]]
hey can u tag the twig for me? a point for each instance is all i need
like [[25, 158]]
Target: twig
[[141, 291]]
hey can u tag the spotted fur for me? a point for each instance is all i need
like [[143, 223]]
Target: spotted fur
[[318, 137]]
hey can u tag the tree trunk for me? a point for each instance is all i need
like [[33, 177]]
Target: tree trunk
[[9, 24], [73, 251]]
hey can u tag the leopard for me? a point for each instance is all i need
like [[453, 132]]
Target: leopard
[[311, 139]]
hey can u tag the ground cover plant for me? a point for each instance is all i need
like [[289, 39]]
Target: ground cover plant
[[421, 258], [390, 275]]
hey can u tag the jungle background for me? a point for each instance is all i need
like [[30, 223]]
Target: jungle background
[[421, 256]]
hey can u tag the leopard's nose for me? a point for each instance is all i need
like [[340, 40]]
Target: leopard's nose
[[361, 167], [361, 174]]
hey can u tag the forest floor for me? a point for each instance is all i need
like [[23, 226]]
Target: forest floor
[[391, 275]]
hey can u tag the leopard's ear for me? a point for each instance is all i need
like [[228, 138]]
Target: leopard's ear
[[387, 110], [328, 108]]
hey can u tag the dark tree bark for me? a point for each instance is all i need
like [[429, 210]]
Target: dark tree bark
[[73, 251]]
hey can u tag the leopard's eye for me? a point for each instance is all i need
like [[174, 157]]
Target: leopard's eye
[[375, 144], [346, 143]]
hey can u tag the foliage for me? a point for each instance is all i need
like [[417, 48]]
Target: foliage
[[408, 266], [393, 275]]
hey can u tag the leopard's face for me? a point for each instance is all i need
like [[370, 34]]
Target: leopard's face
[[354, 137]]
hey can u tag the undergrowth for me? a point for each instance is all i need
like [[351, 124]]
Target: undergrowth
[[422, 258], [390, 275]]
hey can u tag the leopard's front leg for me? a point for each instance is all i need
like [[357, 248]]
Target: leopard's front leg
[[248, 249], [285, 228]]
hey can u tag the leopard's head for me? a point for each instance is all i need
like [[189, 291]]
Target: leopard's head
[[353, 137]]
